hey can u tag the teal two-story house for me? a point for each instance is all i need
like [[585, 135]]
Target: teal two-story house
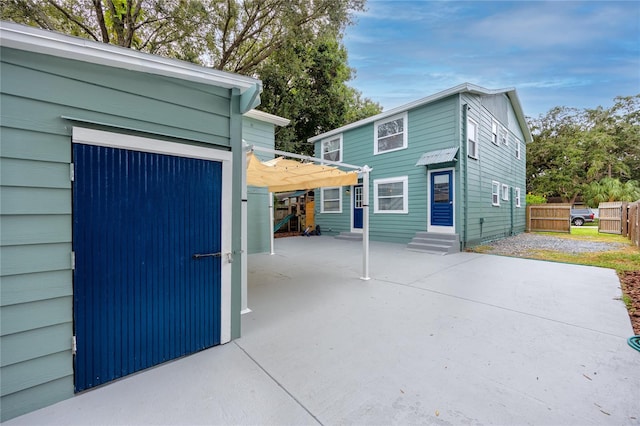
[[448, 171]]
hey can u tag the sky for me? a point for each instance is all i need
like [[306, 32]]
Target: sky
[[579, 54]]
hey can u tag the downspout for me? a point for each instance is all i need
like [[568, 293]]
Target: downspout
[[465, 178]]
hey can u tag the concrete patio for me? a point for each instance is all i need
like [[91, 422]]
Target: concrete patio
[[457, 339]]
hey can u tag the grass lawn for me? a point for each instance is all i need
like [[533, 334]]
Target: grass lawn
[[627, 258]]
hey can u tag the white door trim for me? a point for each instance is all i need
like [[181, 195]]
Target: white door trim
[[441, 229], [86, 136]]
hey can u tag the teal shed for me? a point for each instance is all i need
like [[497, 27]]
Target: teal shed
[[85, 129], [448, 171]]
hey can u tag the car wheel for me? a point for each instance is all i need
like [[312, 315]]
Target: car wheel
[[578, 221]]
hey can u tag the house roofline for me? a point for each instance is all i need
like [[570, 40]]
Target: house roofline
[[461, 88], [46, 42], [266, 117]]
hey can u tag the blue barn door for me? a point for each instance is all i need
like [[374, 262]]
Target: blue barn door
[[357, 208], [441, 202], [140, 296]]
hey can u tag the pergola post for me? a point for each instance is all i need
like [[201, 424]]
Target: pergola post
[[272, 226], [365, 225]]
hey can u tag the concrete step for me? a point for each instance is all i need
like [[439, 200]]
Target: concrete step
[[432, 242], [349, 236]]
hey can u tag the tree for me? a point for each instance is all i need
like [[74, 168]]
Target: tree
[[306, 82], [610, 189], [572, 148]]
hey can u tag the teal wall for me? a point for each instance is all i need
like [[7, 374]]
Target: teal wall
[[494, 163], [434, 126], [261, 134], [36, 365]]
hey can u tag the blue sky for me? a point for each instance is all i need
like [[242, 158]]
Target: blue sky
[[560, 53]]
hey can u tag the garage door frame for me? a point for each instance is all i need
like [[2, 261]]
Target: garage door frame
[[136, 143]]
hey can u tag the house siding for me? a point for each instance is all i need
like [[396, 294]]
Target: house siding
[[36, 367], [429, 127], [486, 222], [260, 134]]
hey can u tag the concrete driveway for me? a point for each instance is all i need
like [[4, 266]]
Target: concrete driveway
[[445, 340]]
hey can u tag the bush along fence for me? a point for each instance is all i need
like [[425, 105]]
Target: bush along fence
[[549, 218]]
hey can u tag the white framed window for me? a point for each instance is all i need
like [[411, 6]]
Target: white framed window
[[332, 148], [472, 138], [503, 136], [390, 195], [494, 132], [390, 134], [518, 149], [517, 195], [495, 193], [331, 200], [505, 192]]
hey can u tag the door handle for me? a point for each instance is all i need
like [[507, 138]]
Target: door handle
[[201, 255]]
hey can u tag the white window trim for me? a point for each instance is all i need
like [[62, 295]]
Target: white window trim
[[322, 210], [503, 132], [518, 147], [517, 195], [405, 194], [475, 138], [505, 192], [495, 132], [405, 133], [329, 140], [495, 193]]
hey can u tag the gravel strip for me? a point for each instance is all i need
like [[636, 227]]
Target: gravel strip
[[524, 243]]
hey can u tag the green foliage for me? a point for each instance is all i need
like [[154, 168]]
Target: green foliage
[[610, 189], [573, 148], [535, 199]]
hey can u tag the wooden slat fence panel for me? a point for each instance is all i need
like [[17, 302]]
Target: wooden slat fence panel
[[610, 221], [633, 222], [549, 217]]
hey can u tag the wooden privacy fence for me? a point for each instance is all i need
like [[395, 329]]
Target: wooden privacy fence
[[610, 220], [631, 226], [549, 217]]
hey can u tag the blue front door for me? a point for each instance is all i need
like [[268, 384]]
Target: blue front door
[[357, 207], [441, 198], [140, 295]]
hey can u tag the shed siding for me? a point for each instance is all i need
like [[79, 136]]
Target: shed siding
[[258, 133], [35, 199]]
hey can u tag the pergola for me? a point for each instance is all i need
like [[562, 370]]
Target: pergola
[[281, 174]]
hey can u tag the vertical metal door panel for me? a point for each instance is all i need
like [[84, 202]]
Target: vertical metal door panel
[[442, 198], [140, 298]]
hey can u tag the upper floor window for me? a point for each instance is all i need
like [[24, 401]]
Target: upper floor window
[[503, 136], [331, 200], [517, 195], [390, 134], [332, 149], [472, 138], [518, 150], [494, 132], [391, 195]]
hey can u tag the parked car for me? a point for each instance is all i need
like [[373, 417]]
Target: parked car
[[580, 216]]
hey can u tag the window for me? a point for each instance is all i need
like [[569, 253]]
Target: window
[[495, 193], [331, 200], [332, 148], [505, 192], [472, 138], [494, 132], [390, 195], [518, 150], [504, 136], [517, 195], [390, 135]]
